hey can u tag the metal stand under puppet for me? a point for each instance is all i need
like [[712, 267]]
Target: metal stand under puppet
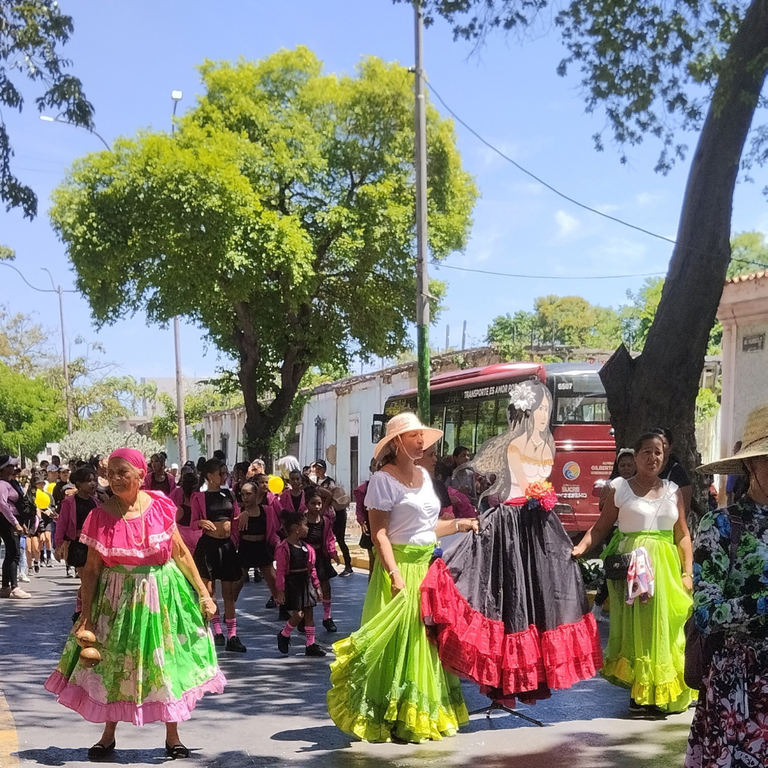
[[502, 605], [494, 707]]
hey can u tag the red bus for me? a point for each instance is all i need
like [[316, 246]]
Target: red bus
[[470, 406]]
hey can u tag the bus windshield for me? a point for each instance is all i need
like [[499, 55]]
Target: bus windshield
[[580, 399]]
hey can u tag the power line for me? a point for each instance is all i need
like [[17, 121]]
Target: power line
[[439, 265], [540, 180], [565, 197], [34, 288]]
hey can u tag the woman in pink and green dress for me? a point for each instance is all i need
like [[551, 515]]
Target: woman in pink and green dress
[[157, 653]]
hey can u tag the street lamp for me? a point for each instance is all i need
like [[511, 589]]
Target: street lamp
[[67, 389], [49, 119], [182, 422]]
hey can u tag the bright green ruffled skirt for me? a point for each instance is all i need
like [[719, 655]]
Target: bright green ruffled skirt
[[646, 643], [158, 657], [387, 679]]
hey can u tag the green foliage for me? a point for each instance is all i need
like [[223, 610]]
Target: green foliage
[[23, 343], [707, 405], [84, 443], [651, 67], [99, 395], [30, 33], [31, 413], [556, 321], [280, 218], [749, 253]]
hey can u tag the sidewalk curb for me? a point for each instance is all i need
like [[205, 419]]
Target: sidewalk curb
[[9, 740]]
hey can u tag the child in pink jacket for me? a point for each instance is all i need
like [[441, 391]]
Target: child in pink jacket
[[297, 583]]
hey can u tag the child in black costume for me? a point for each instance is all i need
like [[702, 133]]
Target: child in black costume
[[297, 583]]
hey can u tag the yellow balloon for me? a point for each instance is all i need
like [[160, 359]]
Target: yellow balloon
[[42, 499], [276, 484]]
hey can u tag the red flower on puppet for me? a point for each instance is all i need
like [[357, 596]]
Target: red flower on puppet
[[543, 494]]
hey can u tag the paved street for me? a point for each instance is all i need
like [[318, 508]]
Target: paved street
[[273, 710]]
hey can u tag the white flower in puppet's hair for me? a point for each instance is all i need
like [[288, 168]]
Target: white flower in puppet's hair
[[522, 396]]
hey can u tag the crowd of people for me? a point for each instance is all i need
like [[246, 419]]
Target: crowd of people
[[505, 607]]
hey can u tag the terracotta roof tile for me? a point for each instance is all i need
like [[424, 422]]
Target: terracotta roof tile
[[749, 277]]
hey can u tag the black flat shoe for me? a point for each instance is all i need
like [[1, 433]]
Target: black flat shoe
[[177, 751], [314, 650], [99, 752], [271, 603], [219, 640], [330, 625], [234, 644]]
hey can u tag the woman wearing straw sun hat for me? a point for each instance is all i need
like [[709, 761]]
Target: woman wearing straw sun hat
[[730, 608], [387, 680]]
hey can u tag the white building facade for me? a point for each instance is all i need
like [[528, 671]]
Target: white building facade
[[336, 421], [743, 312]]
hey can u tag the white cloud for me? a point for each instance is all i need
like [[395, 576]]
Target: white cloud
[[646, 199], [566, 224]]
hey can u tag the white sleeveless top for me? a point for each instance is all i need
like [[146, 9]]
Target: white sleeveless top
[[413, 512], [639, 514]]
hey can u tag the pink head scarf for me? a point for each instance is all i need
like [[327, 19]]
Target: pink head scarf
[[132, 456]]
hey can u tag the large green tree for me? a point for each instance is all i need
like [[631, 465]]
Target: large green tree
[[279, 218], [556, 322], [656, 69], [31, 413], [31, 35]]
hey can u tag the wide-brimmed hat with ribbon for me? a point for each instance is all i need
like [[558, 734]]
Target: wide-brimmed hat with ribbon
[[753, 443], [399, 425]]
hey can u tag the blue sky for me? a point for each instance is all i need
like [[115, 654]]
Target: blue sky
[[130, 56]]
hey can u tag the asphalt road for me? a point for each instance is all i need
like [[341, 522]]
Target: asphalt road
[[273, 713]]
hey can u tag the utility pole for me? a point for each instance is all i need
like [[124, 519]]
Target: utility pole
[[181, 419], [64, 357], [67, 388], [422, 275], [447, 337], [464, 335]]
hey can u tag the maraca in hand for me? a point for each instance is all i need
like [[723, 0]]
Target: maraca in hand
[[89, 656]]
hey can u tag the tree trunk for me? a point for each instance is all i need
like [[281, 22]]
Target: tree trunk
[[659, 388]]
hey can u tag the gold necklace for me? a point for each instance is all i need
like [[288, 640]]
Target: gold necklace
[[137, 544]]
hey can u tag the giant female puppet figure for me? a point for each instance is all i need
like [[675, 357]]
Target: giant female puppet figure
[[507, 606]]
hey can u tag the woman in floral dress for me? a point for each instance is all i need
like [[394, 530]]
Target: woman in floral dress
[[157, 655], [730, 603]]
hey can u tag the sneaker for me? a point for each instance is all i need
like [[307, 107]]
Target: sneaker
[[23, 577], [271, 603], [347, 571], [314, 650], [283, 643], [36, 566], [330, 625], [70, 575], [257, 577], [234, 644], [48, 564], [219, 639], [5, 592], [19, 594]]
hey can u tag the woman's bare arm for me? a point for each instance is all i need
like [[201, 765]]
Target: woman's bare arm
[[599, 530]]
